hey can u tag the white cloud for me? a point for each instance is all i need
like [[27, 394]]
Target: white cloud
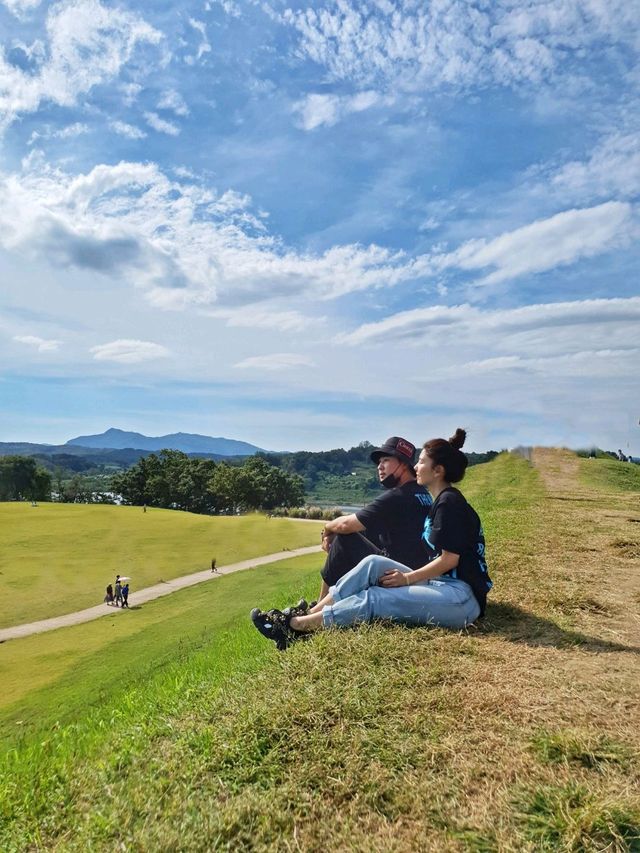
[[556, 327], [129, 351], [172, 100], [256, 318], [548, 243], [130, 92], [41, 344], [453, 43], [185, 244], [230, 8], [611, 170], [20, 7], [592, 363], [204, 47], [128, 130], [275, 361], [87, 45], [68, 132], [317, 110], [162, 126]]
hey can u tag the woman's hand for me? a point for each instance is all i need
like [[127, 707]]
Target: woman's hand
[[394, 578]]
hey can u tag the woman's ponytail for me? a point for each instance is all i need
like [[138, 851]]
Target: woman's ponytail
[[449, 455]]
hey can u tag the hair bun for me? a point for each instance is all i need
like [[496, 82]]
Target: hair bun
[[457, 440]]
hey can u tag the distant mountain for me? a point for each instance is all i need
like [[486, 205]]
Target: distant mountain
[[118, 439]]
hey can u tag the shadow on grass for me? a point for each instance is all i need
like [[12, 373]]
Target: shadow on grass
[[522, 626]]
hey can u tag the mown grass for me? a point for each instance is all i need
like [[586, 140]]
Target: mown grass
[[52, 678], [381, 738], [610, 475], [58, 558]]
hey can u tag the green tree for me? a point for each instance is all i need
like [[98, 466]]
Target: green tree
[[21, 478]]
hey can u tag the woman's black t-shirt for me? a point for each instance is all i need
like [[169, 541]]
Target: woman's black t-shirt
[[453, 525]]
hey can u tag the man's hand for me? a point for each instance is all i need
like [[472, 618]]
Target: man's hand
[[326, 540], [394, 578]]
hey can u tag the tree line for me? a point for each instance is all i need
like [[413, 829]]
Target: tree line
[[313, 467], [22, 479], [173, 480]]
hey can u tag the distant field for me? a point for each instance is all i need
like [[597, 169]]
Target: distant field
[[57, 558]]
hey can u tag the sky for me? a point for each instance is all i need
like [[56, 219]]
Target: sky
[[310, 224]]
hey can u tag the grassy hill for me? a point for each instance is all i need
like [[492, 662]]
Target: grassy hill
[[519, 734], [58, 558]]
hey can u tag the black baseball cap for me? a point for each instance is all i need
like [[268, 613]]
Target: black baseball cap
[[397, 447]]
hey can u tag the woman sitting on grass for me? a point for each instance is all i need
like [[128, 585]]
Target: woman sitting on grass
[[450, 590]]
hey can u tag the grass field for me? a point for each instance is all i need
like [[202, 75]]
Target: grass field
[[58, 558], [610, 474], [519, 735], [51, 678]]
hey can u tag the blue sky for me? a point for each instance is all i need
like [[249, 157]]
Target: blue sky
[[304, 225]]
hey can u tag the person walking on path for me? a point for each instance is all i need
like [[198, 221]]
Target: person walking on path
[[118, 591], [391, 525], [450, 589], [125, 594], [109, 596]]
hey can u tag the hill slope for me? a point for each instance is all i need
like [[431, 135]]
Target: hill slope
[[519, 735]]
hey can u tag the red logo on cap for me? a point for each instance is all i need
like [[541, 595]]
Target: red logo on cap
[[404, 447]]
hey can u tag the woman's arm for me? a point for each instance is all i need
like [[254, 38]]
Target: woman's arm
[[444, 563]]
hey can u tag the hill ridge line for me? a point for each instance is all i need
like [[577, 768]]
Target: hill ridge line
[[148, 593]]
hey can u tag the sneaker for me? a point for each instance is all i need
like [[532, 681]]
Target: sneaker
[[274, 625], [299, 609], [271, 625]]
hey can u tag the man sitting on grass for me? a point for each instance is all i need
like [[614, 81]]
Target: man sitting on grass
[[391, 525]]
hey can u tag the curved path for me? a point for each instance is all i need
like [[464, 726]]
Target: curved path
[[147, 594]]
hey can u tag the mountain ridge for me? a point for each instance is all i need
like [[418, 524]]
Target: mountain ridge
[[117, 439]]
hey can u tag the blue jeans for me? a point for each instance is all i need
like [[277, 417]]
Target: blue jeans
[[357, 597]]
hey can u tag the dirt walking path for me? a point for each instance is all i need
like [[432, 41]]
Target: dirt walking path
[[147, 594]]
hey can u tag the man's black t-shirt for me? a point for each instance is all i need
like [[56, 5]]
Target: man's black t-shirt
[[398, 518], [453, 525]]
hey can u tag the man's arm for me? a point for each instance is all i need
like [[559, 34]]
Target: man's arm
[[344, 524]]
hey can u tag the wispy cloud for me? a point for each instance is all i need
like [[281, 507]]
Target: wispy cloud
[[87, 44], [41, 344], [275, 361], [129, 351], [584, 363], [69, 132], [187, 244], [554, 327], [172, 100], [21, 7], [162, 126], [257, 318], [317, 110], [612, 169], [130, 131], [204, 47], [548, 243], [418, 47]]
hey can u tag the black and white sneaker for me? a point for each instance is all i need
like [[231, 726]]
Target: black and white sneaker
[[274, 625], [299, 609], [271, 625]]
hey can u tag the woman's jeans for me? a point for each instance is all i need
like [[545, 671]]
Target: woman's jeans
[[357, 597]]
